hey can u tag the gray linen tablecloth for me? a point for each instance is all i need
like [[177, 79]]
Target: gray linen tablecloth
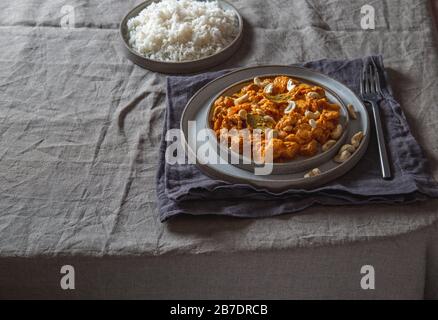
[[80, 127]]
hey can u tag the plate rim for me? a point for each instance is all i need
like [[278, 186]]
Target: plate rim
[[303, 182]]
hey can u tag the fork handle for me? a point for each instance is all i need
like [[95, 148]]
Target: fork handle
[[384, 162]]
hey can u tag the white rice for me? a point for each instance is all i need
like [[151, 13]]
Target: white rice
[[181, 30]]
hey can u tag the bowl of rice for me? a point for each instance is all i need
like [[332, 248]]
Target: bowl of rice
[[181, 36]]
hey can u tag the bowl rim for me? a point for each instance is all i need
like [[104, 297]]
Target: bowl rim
[[146, 3], [292, 162]]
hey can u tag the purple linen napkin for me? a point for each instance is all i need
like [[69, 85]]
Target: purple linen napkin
[[184, 189]]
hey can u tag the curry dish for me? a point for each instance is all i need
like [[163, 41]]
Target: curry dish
[[302, 120]]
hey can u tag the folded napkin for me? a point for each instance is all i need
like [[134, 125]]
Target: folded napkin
[[184, 189]]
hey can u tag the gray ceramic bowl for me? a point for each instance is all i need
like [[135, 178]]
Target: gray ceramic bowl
[[298, 164], [179, 67]]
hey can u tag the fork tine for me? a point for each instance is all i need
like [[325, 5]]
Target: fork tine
[[362, 82], [377, 78], [372, 81], [365, 79], [378, 87]]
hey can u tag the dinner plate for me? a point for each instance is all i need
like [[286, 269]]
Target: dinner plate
[[192, 66], [298, 164], [198, 108]]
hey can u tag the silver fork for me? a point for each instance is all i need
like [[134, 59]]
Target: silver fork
[[371, 92]]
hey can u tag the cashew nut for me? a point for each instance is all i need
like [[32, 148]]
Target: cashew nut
[[269, 88], [242, 114], [290, 85], [328, 145], [356, 139], [291, 107], [241, 99], [259, 111], [342, 156], [347, 147], [313, 173], [337, 132], [269, 119], [260, 83], [288, 128], [312, 123], [312, 115], [313, 95], [351, 111]]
